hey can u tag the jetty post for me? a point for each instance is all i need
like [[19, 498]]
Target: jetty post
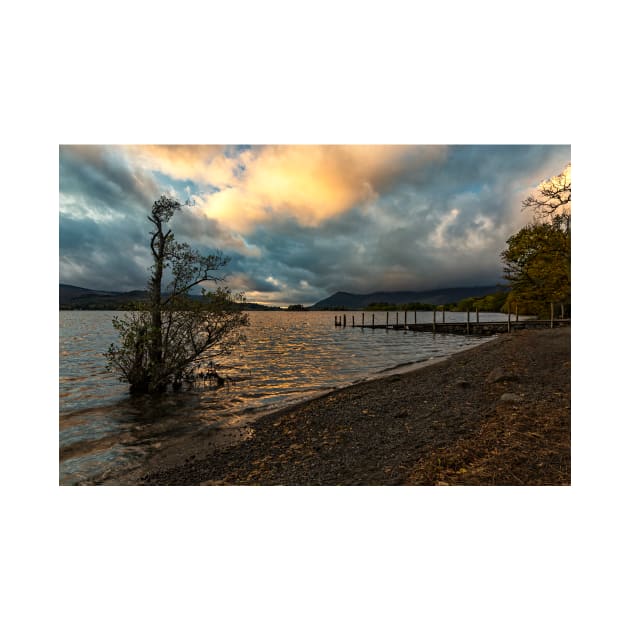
[[372, 320], [344, 320], [353, 321], [396, 318], [443, 314], [477, 313], [433, 320], [468, 321], [362, 320], [386, 320], [415, 317], [405, 319]]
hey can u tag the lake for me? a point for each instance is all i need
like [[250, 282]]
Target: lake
[[288, 356]]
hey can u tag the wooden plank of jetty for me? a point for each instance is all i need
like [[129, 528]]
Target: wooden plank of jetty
[[467, 327]]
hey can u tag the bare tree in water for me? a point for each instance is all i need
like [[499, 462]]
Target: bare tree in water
[[163, 341]]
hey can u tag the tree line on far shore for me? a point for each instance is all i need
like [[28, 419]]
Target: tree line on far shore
[[492, 303]]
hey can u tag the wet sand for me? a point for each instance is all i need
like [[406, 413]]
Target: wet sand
[[496, 414]]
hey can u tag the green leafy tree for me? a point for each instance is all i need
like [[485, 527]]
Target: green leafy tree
[[537, 261], [164, 341], [538, 264]]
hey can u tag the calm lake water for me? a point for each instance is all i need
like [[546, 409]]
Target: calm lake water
[[287, 357]]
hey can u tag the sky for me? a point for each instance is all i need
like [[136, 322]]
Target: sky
[[300, 222]]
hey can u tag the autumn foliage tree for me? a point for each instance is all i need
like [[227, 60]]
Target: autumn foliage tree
[[537, 261], [163, 341]]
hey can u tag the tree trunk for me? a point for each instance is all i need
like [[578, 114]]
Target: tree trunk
[[155, 335]]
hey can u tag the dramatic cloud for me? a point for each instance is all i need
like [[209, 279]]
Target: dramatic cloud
[[313, 184], [300, 222]]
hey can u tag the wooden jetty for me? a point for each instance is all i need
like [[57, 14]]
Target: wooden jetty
[[468, 327]]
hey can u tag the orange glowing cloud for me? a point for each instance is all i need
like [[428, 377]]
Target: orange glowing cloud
[[308, 183]]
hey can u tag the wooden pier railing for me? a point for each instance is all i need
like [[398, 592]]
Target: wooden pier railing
[[457, 328]]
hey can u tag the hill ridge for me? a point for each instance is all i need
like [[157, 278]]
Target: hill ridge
[[345, 299]]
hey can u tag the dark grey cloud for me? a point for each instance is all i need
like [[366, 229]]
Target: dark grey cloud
[[101, 178], [106, 257]]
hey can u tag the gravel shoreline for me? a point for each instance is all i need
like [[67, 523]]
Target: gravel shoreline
[[495, 414]]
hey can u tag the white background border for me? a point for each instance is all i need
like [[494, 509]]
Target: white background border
[[338, 72]]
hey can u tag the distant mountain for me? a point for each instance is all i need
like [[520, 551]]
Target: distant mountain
[[71, 297], [342, 299], [80, 298], [68, 292]]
